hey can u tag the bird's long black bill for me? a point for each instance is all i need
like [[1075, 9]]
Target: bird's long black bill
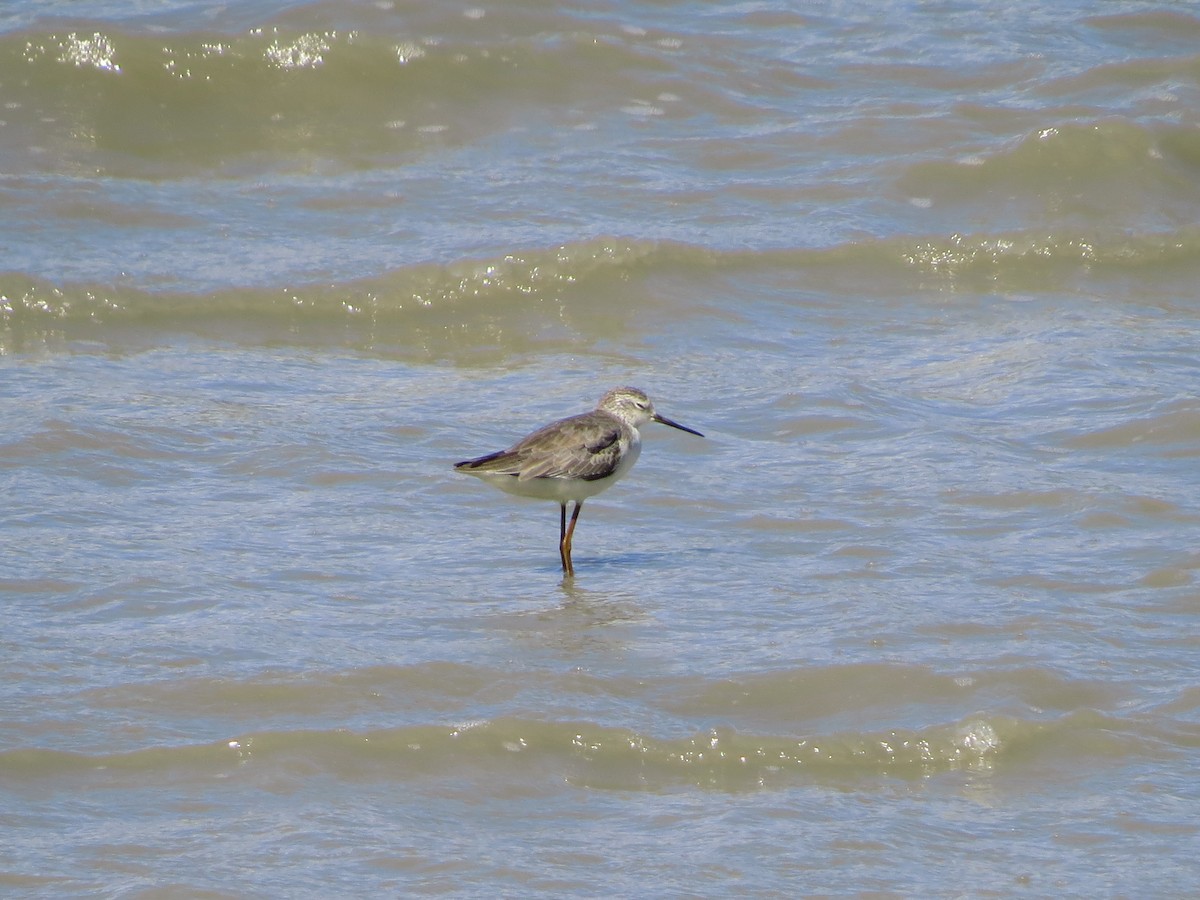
[[663, 420]]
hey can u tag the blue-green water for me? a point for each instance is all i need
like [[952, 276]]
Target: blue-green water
[[917, 616]]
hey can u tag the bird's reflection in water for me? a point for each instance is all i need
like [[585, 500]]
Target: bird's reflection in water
[[577, 621]]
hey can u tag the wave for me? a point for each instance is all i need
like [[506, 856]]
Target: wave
[[518, 301], [380, 90], [1114, 168], [181, 94], [1027, 716], [593, 755], [1169, 431], [581, 291]]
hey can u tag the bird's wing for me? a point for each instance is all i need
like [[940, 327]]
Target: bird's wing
[[577, 447], [571, 450], [502, 462]]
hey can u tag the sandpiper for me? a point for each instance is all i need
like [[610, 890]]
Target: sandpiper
[[574, 458]]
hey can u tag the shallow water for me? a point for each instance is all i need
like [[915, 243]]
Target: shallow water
[[917, 616]]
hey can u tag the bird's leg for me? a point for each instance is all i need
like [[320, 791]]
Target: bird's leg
[[564, 546], [562, 536]]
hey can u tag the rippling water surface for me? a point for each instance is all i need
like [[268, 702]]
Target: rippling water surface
[[919, 615]]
